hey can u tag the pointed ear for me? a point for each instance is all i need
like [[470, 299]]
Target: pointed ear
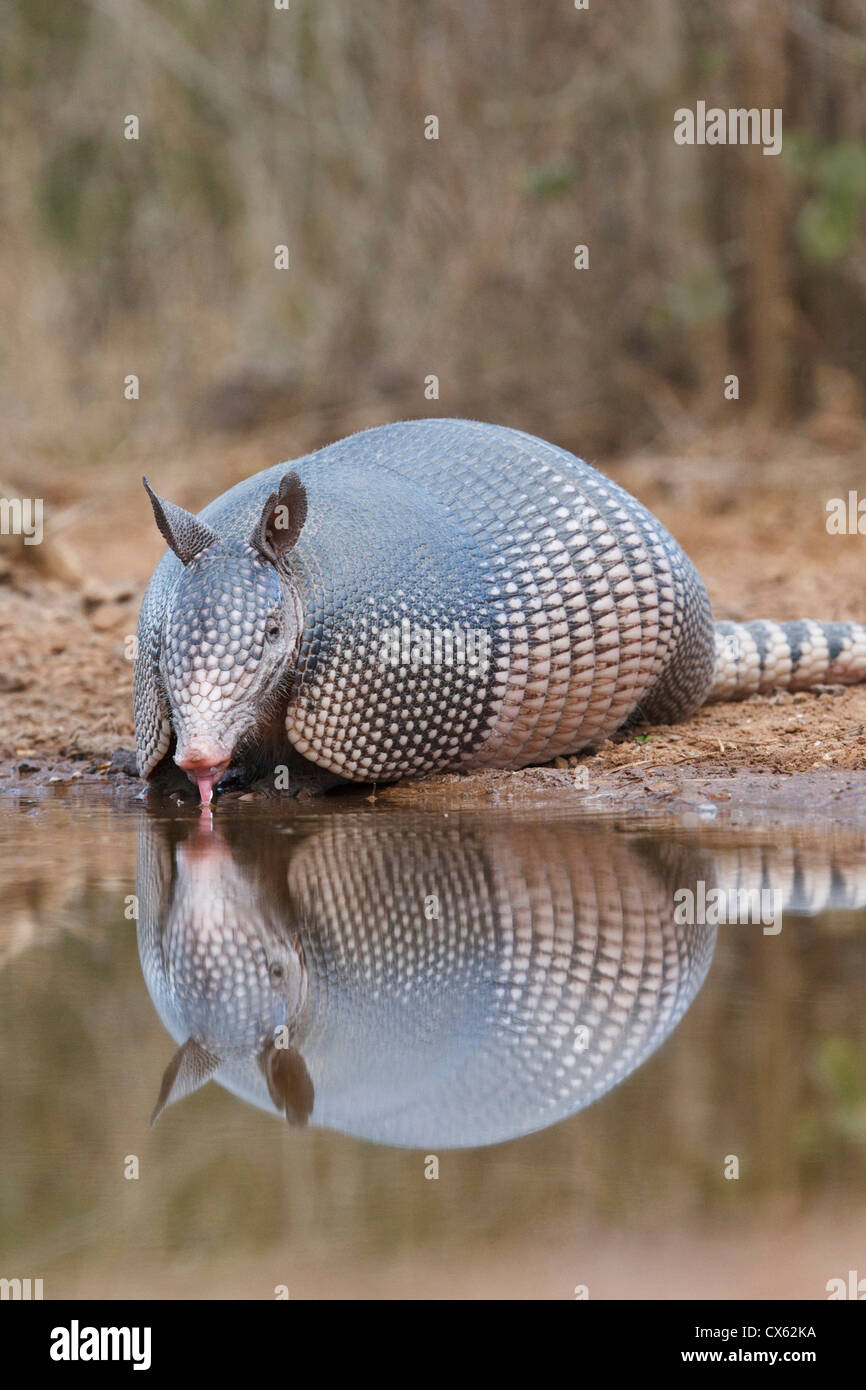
[[183, 532], [288, 1080], [282, 519], [190, 1067]]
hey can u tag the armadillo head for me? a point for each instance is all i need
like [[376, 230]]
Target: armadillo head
[[231, 630], [229, 977]]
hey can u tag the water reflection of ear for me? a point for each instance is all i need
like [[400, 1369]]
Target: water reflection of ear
[[190, 1067], [288, 1081]]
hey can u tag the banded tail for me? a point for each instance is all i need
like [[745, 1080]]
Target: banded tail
[[810, 877], [763, 655]]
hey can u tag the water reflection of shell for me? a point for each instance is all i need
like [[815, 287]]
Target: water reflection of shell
[[463, 984]]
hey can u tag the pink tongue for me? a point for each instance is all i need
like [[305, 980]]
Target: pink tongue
[[206, 782]]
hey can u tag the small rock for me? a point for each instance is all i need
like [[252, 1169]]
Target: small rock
[[123, 762], [108, 616], [10, 682], [97, 595]]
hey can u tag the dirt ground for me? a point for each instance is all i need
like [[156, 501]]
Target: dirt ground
[[750, 513]]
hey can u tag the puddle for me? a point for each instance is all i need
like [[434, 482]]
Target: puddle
[[518, 1041]]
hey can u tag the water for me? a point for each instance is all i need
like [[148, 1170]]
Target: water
[[611, 1098]]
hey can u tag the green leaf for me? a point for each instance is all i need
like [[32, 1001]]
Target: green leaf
[[702, 294], [841, 171], [549, 181], [825, 230], [798, 154]]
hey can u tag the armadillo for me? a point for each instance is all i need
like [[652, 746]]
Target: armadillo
[[418, 981], [412, 981], [434, 595]]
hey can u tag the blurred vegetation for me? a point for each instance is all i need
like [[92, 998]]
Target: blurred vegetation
[[409, 256]]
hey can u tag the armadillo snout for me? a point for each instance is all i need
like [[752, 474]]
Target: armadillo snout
[[204, 761]]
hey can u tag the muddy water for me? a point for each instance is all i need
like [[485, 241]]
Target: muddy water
[[440, 1054]]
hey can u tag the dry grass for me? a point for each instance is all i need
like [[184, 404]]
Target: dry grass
[[412, 257]]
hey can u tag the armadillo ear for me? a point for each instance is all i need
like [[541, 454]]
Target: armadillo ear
[[190, 1067], [183, 532], [282, 519], [289, 1083]]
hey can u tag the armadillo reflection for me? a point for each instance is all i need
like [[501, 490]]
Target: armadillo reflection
[[420, 983]]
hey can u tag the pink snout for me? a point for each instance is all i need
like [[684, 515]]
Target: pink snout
[[204, 761]]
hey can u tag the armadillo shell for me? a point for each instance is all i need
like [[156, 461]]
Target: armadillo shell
[[456, 984]]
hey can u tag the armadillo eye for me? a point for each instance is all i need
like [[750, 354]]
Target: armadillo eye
[[276, 974], [272, 629]]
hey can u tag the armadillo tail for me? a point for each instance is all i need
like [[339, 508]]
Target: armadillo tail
[[762, 655]]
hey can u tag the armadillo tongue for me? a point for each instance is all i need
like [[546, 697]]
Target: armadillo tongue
[[206, 782], [204, 761]]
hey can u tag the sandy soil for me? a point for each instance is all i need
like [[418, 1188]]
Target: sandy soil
[[752, 517]]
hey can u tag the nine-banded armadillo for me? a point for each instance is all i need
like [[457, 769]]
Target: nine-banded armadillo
[[315, 976], [435, 594], [421, 981]]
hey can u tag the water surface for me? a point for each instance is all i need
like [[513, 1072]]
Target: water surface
[[330, 1006]]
